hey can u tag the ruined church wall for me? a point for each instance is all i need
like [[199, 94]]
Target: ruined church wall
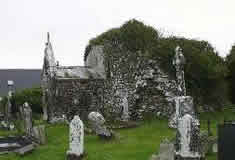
[[148, 89], [77, 96]]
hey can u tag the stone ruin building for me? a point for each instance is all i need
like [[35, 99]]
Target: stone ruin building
[[119, 85]]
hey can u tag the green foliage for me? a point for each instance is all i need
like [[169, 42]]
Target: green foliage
[[33, 96], [205, 71], [133, 35], [230, 60]]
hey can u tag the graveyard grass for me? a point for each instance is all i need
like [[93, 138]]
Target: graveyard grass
[[132, 144]]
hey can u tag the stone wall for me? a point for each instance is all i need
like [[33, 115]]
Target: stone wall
[[77, 97], [148, 89]]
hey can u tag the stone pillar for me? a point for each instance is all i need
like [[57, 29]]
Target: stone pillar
[[27, 117], [39, 133], [178, 63], [188, 132], [76, 139], [98, 125]]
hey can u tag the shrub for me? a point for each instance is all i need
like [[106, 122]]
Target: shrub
[[33, 96]]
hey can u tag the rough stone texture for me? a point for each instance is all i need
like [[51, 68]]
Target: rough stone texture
[[27, 117], [96, 60], [69, 90], [81, 95], [149, 89], [98, 125], [76, 138], [121, 85], [39, 133]]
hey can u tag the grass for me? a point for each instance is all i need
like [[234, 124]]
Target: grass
[[132, 144]]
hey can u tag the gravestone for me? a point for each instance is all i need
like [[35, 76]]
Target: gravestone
[[39, 133], [166, 151], [76, 139], [188, 135], [98, 125], [215, 148], [27, 118]]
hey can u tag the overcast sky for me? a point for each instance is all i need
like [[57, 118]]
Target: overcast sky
[[72, 23]]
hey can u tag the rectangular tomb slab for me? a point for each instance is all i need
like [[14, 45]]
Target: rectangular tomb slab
[[25, 149], [6, 145], [11, 144]]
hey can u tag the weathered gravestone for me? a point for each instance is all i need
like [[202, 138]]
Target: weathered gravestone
[[188, 135], [166, 151], [27, 118], [76, 139], [98, 125], [39, 133]]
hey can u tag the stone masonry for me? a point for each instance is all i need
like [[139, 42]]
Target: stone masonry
[[119, 84]]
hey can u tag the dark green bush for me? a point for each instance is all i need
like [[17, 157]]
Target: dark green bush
[[230, 60], [33, 96]]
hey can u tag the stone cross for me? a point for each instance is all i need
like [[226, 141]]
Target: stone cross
[[76, 139], [27, 117], [178, 62], [98, 125]]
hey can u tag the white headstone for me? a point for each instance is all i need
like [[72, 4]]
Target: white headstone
[[185, 128], [76, 137]]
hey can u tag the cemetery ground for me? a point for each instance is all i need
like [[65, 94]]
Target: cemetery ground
[[131, 144]]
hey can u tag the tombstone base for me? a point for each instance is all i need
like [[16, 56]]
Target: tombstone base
[[74, 157]]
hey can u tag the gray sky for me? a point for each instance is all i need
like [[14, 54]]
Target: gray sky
[[72, 23]]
